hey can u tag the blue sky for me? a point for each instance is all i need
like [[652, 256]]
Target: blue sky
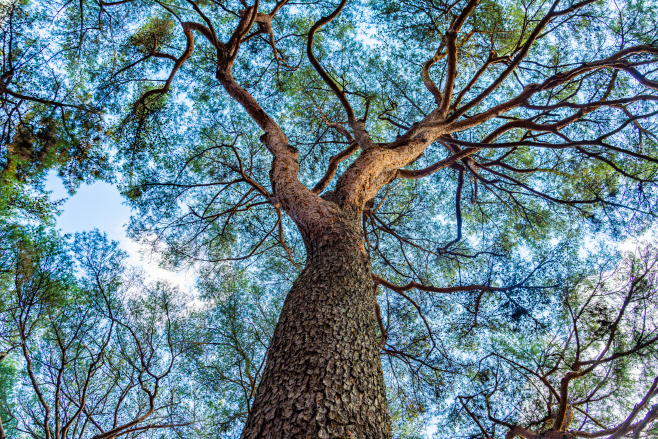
[[100, 206]]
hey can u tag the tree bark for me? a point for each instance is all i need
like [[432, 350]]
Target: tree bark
[[323, 377]]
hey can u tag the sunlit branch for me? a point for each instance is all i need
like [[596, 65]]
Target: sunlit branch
[[520, 431], [427, 79], [206, 32], [209, 31], [247, 19]]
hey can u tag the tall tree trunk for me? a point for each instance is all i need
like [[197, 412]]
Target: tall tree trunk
[[323, 377]]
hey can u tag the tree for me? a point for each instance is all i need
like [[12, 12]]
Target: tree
[[590, 374], [93, 357], [356, 161], [233, 331], [38, 135]]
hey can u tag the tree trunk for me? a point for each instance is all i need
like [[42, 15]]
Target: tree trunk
[[323, 377]]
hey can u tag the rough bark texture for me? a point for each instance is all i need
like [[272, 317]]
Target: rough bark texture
[[323, 377]]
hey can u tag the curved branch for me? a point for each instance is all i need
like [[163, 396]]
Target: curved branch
[[318, 67], [208, 33], [362, 136], [179, 62], [445, 163], [247, 19], [425, 74], [333, 167]]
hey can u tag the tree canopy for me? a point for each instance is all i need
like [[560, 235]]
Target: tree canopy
[[484, 156]]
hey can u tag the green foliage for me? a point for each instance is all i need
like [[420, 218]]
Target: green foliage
[[155, 32], [49, 121], [188, 161], [8, 379]]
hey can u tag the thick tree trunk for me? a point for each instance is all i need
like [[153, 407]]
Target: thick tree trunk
[[323, 377]]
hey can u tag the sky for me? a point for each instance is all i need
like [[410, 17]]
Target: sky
[[100, 206]]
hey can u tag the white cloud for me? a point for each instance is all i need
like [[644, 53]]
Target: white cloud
[[100, 206]]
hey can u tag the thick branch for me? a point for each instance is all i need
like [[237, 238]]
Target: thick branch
[[304, 207], [431, 289], [520, 431]]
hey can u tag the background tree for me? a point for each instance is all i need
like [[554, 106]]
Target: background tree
[[233, 330], [53, 126], [589, 374], [96, 357], [448, 153]]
